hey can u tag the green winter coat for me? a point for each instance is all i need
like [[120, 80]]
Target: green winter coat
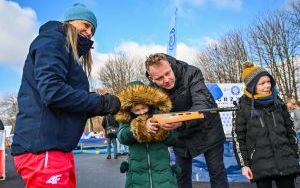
[[149, 163]]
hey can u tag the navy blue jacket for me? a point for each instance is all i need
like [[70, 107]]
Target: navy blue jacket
[[54, 99]]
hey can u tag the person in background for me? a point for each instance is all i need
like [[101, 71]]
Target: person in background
[[111, 126], [149, 161], [264, 137], [1, 125], [294, 110], [185, 86], [54, 100]]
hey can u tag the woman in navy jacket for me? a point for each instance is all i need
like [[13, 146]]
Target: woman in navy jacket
[[55, 102]]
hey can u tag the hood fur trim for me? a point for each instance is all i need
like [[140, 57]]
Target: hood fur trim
[[139, 130], [137, 94]]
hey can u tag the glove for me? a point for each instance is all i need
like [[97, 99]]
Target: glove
[[110, 104], [124, 166]]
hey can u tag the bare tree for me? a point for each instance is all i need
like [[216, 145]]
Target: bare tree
[[9, 110], [222, 61], [208, 67], [295, 22], [295, 13], [119, 70], [274, 44]]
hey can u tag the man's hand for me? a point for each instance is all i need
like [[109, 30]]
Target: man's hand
[[151, 126], [246, 171], [170, 126]]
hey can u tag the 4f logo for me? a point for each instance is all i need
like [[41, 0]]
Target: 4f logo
[[54, 179]]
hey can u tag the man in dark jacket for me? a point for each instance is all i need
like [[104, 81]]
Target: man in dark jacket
[[110, 125], [185, 85]]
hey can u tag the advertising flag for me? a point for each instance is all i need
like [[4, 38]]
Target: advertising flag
[[172, 44]]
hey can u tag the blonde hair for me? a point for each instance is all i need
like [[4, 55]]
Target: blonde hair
[[292, 104], [154, 59], [72, 36]]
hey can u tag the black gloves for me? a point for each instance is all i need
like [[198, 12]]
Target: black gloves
[[109, 104]]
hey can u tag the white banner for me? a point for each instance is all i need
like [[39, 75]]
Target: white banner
[[225, 95], [172, 44]]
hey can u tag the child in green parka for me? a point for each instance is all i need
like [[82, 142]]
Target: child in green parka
[[148, 160]]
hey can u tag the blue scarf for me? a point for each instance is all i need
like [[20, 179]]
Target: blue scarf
[[261, 100], [264, 101]]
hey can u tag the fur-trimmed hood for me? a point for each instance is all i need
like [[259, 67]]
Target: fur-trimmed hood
[[142, 94]]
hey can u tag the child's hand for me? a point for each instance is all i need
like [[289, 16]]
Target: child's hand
[[151, 126], [246, 171], [170, 126]]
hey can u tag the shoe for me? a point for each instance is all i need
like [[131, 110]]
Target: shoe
[[115, 157], [108, 157]]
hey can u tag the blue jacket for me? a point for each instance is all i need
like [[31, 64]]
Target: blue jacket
[[54, 99]]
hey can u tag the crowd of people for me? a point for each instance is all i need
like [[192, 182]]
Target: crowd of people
[[55, 102]]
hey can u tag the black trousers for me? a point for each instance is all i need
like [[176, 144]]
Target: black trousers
[[281, 182], [215, 164]]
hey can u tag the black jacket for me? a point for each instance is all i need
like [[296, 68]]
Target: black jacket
[[266, 143], [191, 94], [1, 125], [110, 122]]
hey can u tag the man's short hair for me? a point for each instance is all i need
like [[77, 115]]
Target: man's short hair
[[154, 59]]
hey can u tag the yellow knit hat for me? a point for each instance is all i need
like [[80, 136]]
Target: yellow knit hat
[[250, 71]]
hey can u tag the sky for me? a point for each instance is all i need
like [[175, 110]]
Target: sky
[[136, 27]]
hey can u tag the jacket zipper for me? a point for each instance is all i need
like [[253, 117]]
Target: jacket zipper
[[261, 122], [275, 124], [251, 156], [149, 165], [272, 146]]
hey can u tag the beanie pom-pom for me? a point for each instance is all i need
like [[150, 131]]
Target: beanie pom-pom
[[247, 64]]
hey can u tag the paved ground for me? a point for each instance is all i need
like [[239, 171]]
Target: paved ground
[[94, 171]]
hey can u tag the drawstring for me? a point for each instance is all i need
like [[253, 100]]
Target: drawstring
[[46, 160]]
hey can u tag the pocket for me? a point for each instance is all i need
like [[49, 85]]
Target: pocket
[[53, 173], [26, 160], [19, 161], [27, 165], [252, 151]]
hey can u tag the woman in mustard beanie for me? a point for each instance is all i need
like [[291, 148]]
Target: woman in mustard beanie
[[264, 136], [55, 102]]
